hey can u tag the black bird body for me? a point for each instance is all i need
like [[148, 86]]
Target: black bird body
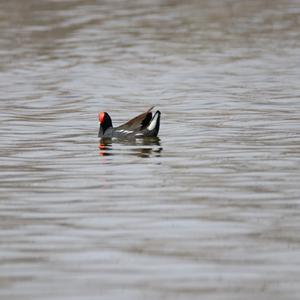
[[144, 125]]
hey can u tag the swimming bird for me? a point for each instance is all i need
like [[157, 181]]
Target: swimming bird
[[144, 125]]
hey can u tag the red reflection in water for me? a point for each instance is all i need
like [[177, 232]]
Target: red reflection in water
[[104, 148]]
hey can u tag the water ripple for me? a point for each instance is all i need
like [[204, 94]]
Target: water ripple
[[209, 209]]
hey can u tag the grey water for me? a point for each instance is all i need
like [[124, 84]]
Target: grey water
[[210, 210]]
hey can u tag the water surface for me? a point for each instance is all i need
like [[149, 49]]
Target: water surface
[[209, 210]]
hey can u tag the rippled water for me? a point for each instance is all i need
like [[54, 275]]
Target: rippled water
[[210, 210]]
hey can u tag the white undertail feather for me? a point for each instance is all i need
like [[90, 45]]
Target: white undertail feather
[[153, 123]]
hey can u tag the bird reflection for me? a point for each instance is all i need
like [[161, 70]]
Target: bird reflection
[[105, 147], [145, 147]]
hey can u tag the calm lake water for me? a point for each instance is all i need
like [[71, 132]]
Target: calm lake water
[[210, 211]]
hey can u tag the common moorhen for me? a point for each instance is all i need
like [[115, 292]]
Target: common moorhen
[[144, 125]]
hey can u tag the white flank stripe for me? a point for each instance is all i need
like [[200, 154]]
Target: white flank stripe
[[125, 131]]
